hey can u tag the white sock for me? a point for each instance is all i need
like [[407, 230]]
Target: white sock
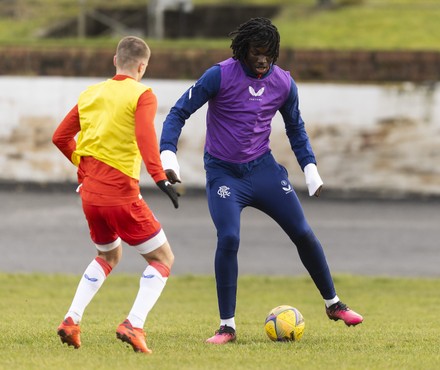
[[150, 288], [329, 302], [229, 322], [92, 279]]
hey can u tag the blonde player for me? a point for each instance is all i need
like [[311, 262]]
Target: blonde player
[[114, 121]]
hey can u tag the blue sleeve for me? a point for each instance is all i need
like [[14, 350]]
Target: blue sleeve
[[295, 130], [206, 87]]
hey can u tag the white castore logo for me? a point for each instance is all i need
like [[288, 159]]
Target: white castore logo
[[258, 93]]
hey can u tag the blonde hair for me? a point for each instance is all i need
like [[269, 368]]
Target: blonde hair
[[131, 50]]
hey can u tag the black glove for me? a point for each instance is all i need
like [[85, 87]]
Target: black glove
[[172, 177], [169, 190]]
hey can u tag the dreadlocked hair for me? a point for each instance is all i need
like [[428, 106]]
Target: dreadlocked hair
[[256, 32]]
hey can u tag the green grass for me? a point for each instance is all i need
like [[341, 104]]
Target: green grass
[[353, 24], [400, 330], [389, 26]]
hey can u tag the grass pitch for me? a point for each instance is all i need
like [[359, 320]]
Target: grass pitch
[[400, 331]]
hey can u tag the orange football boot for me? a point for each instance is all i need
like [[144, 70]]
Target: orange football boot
[[133, 336], [69, 333]]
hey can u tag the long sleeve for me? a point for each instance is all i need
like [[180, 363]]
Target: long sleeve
[[295, 130], [195, 97], [146, 135], [64, 135]]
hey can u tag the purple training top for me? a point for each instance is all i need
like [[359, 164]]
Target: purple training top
[[239, 117]]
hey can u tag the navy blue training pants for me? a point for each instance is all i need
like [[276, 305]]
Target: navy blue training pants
[[262, 184]]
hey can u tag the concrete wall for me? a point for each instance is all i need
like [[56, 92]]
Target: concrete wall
[[367, 137], [305, 65]]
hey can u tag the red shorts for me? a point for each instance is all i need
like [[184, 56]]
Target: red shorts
[[134, 223]]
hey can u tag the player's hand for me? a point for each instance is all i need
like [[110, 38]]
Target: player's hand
[[169, 190], [313, 180], [172, 177], [171, 166]]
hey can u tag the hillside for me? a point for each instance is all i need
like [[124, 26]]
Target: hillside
[[349, 25]]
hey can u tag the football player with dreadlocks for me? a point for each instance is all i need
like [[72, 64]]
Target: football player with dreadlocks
[[243, 93]]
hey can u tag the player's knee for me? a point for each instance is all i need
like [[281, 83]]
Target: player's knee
[[112, 257], [167, 255], [162, 255], [228, 242], [307, 239], [168, 260]]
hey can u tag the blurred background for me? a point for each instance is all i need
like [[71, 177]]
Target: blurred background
[[367, 72], [368, 76]]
